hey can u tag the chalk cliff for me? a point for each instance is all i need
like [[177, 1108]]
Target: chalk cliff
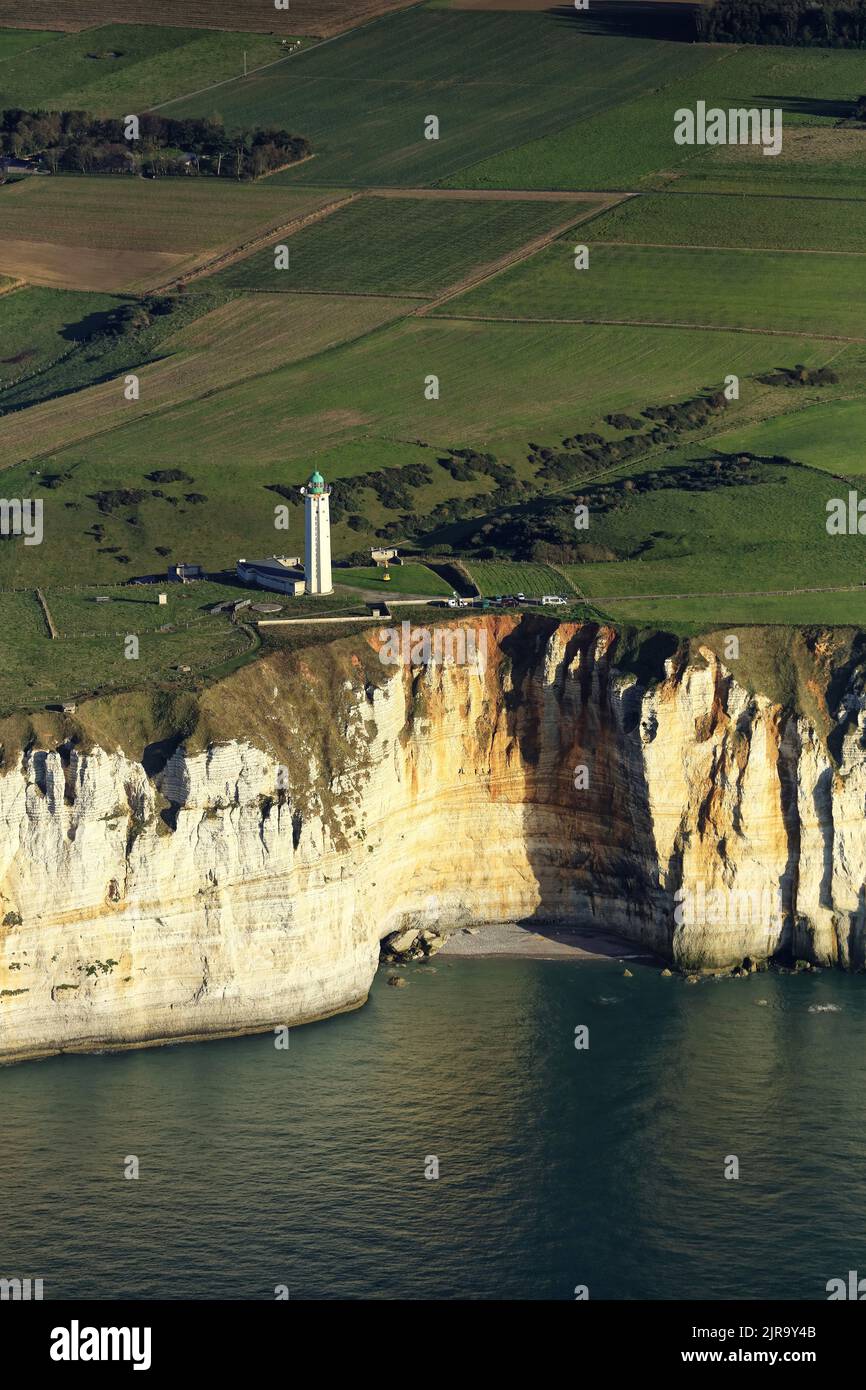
[[226, 884]]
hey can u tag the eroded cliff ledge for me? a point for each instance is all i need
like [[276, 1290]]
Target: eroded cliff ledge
[[238, 871]]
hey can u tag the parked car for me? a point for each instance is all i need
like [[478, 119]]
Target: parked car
[[552, 598]]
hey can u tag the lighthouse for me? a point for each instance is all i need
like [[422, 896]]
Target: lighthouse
[[317, 535]]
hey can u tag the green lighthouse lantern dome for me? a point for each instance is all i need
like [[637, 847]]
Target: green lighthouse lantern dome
[[317, 482]]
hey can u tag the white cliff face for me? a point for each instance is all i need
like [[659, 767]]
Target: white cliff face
[[233, 892]]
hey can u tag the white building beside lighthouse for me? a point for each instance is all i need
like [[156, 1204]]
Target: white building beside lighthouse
[[317, 535]]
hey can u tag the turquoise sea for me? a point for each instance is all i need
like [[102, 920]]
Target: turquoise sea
[[557, 1167]]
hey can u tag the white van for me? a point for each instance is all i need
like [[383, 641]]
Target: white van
[[552, 598]]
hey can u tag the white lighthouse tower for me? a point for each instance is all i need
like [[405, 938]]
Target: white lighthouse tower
[[317, 535]]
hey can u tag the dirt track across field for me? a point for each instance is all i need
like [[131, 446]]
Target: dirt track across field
[[256, 243], [600, 203], [647, 323]]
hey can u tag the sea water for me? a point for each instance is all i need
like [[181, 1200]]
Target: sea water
[[307, 1169]]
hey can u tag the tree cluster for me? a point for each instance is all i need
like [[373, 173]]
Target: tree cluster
[[544, 531], [800, 376], [80, 142], [587, 453], [831, 23]]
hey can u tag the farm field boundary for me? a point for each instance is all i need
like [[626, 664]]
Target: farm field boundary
[[512, 258], [650, 323]]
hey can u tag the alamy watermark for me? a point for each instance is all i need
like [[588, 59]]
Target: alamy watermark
[[700, 906], [846, 516], [22, 516], [438, 646], [741, 126], [20, 1290], [854, 1288], [77, 1343]]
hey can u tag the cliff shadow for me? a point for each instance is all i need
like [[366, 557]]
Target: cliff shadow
[[157, 754], [586, 815]]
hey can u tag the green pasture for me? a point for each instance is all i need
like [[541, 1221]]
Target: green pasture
[[633, 143], [695, 615], [493, 80], [671, 219], [728, 541], [830, 437], [37, 671], [767, 290], [16, 42], [39, 328]]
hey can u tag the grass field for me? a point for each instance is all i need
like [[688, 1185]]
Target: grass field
[[665, 220], [494, 577], [776, 291], [135, 609], [36, 670], [55, 230], [303, 16], [829, 437], [570, 375], [633, 143], [15, 42], [767, 535], [59, 344], [40, 326], [265, 332], [827, 181], [695, 615], [824, 160], [121, 68], [405, 579], [492, 79], [402, 245]]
